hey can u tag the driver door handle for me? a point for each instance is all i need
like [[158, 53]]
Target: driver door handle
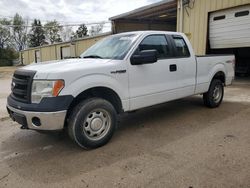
[[173, 68]]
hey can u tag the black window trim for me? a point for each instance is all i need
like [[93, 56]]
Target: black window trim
[[171, 38], [168, 42]]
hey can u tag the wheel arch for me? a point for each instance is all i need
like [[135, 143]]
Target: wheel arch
[[220, 75], [100, 92]]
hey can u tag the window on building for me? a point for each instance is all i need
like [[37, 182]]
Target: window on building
[[181, 47], [242, 13], [158, 43], [37, 56], [219, 18]]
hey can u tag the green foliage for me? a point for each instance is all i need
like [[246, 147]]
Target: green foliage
[[5, 35], [37, 34], [52, 31], [19, 32], [96, 29], [81, 32], [7, 56]]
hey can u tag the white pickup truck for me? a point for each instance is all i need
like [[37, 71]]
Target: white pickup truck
[[121, 73]]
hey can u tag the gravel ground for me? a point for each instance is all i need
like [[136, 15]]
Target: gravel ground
[[178, 144]]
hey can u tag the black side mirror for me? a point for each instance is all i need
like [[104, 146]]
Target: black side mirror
[[144, 57]]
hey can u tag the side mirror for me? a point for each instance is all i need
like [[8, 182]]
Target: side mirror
[[144, 57]]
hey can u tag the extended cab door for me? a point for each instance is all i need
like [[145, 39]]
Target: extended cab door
[[185, 75], [171, 77]]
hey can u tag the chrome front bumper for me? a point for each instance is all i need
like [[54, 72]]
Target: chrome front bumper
[[38, 120]]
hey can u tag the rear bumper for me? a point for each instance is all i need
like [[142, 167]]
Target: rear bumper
[[38, 120]]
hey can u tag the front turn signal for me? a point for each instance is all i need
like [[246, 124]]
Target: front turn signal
[[58, 86]]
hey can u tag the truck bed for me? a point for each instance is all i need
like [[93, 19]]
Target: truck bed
[[213, 63]]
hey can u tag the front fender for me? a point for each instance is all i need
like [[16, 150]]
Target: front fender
[[97, 80]]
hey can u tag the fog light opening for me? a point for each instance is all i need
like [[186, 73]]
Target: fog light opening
[[36, 121]]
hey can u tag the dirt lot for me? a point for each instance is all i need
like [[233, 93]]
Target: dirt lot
[[178, 144]]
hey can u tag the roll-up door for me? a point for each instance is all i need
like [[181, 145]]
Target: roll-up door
[[230, 28]]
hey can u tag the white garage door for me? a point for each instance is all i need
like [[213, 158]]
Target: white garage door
[[230, 28], [37, 56], [65, 52]]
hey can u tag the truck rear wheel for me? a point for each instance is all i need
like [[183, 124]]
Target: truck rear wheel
[[214, 96], [92, 123]]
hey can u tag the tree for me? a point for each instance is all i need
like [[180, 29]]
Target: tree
[[81, 32], [19, 32], [7, 55], [96, 29], [5, 35], [37, 34], [67, 33], [52, 31]]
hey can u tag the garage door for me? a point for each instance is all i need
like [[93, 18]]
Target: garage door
[[37, 56], [230, 28], [65, 52]]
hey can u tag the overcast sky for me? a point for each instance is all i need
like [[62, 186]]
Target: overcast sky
[[70, 11]]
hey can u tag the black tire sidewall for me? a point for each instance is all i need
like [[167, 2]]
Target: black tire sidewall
[[210, 98], [83, 110]]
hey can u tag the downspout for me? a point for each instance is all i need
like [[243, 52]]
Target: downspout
[[180, 7]]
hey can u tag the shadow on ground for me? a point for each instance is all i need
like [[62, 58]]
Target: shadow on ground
[[52, 158]]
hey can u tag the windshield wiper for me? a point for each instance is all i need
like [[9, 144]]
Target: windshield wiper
[[93, 56]]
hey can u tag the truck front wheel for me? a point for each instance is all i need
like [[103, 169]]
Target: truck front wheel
[[214, 96], [92, 123]]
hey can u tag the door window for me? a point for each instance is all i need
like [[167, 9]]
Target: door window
[[181, 47], [158, 43]]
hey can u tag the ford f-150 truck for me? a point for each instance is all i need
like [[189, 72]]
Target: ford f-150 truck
[[121, 73]]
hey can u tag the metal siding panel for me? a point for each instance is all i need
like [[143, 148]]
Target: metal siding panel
[[197, 28], [31, 56], [203, 34], [85, 44], [26, 57], [212, 4], [192, 25]]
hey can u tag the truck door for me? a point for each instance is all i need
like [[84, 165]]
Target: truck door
[[185, 75], [154, 83]]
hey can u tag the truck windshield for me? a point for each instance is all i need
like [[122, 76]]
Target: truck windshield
[[113, 47]]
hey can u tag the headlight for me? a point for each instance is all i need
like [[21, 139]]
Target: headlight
[[45, 88]]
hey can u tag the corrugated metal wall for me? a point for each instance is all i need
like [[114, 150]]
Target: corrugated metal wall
[[53, 52], [130, 26], [83, 45], [195, 20]]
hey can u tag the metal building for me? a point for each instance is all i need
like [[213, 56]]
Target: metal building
[[58, 51], [213, 26]]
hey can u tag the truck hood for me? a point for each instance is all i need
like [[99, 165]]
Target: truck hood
[[56, 67]]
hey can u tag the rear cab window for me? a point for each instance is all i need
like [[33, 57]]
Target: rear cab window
[[181, 48]]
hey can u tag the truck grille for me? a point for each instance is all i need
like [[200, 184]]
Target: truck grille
[[21, 85]]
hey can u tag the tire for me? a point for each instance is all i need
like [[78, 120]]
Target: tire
[[92, 123], [215, 94]]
